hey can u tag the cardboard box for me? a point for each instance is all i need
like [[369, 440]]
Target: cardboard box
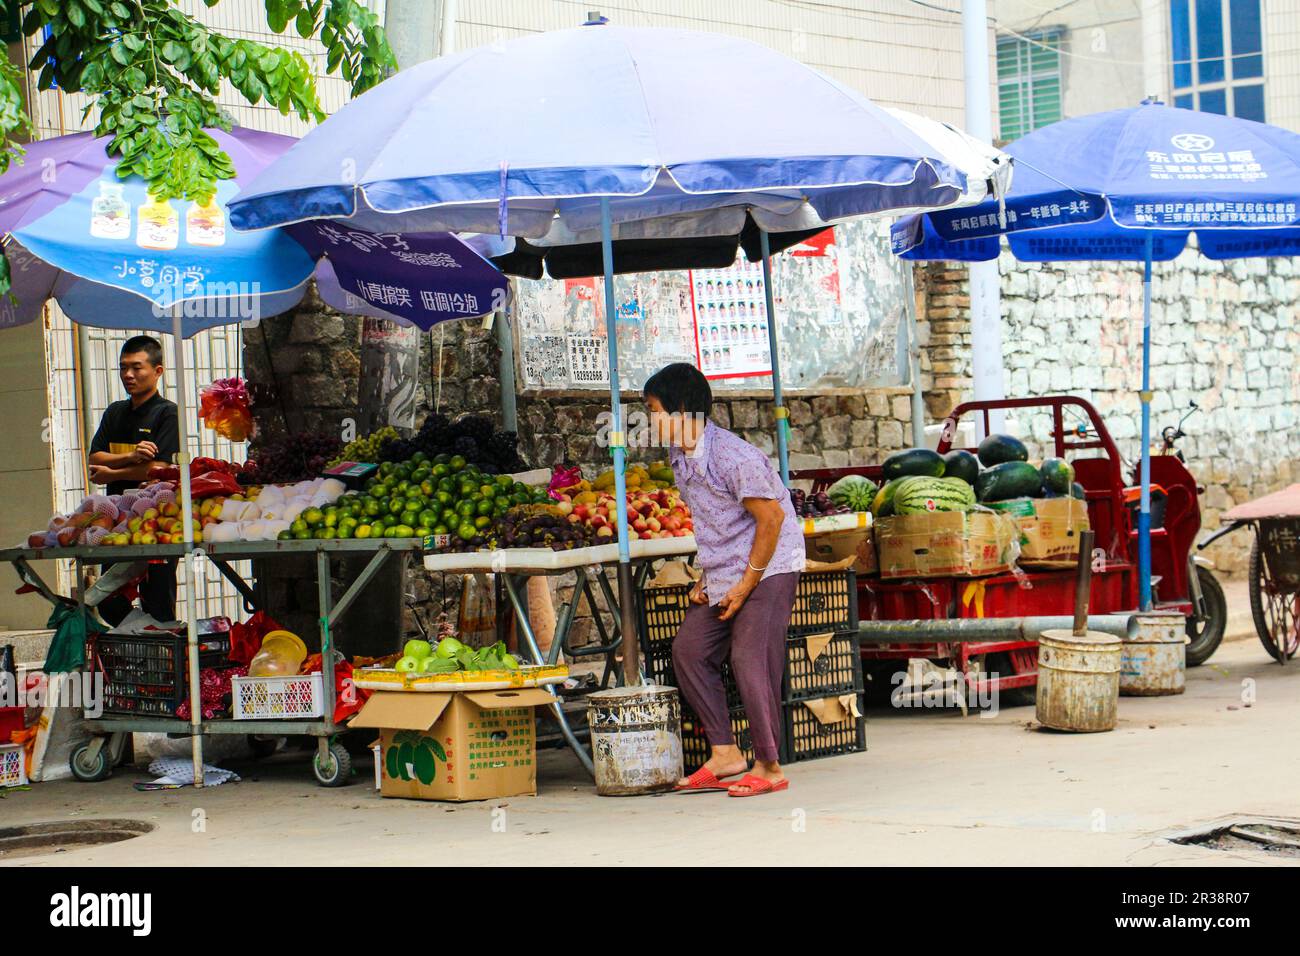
[[835, 546], [946, 544], [465, 746], [1049, 529]]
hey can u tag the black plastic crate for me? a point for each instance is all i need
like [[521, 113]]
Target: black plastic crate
[[836, 670], [825, 601], [695, 746], [148, 675], [807, 738]]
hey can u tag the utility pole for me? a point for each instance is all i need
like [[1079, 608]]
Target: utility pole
[[985, 294]]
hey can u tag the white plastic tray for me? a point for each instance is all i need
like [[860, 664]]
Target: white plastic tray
[[515, 560]]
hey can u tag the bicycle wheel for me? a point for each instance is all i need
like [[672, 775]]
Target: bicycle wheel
[[1276, 612]]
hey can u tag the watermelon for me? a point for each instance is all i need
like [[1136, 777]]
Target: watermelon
[[1010, 479], [918, 495], [883, 505], [913, 461], [1076, 491], [961, 464], [997, 449], [1057, 475], [853, 492]]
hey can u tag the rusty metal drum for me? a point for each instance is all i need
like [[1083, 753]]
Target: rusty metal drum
[[1078, 681], [1153, 662], [636, 739]]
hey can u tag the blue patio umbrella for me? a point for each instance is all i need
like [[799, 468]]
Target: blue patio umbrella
[[1132, 185], [604, 149], [114, 257]]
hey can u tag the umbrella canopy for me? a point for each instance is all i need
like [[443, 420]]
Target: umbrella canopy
[[686, 134], [1097, 187], [115, 258], [1132, 185]]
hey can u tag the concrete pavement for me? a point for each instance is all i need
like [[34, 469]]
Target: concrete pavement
[[934, 788]]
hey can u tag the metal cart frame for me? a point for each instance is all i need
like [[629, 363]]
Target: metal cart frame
[[331, 764]]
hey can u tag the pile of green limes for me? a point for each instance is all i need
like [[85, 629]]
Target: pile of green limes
[[420, 497]]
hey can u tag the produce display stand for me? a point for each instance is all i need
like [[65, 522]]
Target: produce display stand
[[332, 764], [515, 565]]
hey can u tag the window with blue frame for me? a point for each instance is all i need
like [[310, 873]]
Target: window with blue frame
[[1217, 56]]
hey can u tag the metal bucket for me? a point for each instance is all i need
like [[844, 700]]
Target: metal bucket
[[1078, 681], [636, 739], [1154, 660]]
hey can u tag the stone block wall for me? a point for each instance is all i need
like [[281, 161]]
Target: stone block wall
[[1223, 335]]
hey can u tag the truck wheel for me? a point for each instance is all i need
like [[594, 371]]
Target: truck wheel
[[1206, 635]]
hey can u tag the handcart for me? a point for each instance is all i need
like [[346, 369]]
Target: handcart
[[331, 764], [1274, 570]]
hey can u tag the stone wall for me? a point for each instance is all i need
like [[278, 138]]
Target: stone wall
[[1223, 335]]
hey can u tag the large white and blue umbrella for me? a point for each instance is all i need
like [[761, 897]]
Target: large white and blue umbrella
[[608, 149], [1132, 185], [113, 257]]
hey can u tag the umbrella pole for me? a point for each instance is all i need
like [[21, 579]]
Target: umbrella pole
[[780, 411], [190, 557], [618, 446], [1144, 513]]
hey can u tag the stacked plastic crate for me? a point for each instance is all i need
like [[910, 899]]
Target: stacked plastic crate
[[822, 684]]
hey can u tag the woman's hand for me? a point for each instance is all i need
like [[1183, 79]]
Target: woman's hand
[[734, 599], [698, 595]]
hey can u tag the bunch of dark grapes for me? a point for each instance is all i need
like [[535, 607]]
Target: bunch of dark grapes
[[814, 506], [283, 460], [471, 436]]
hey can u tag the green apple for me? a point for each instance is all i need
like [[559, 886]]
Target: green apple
[[417, 648], [448, 647]]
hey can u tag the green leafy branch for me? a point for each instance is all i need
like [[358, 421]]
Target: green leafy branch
[[153, 73]]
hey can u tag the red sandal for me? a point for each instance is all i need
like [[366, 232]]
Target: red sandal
[[757, 786], [702, 779]]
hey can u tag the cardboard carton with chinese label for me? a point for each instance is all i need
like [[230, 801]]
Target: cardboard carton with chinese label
[[1049, 529], [946, 544], [837, 543], [474, 745]]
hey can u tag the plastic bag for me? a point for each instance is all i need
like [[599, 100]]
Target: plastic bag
[[477, 621], [224, 407], [246, 637]]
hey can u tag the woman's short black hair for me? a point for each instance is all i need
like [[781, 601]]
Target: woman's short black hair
[[680, 388]]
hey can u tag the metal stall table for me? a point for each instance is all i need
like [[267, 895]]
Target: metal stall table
[[332, 763], [588, 566]]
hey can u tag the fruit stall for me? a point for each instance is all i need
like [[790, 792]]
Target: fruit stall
[[443, 492]]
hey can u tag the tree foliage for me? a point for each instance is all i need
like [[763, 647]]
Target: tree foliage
[[152, 73]]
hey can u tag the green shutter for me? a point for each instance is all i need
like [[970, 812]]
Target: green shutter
[[1029, 83]]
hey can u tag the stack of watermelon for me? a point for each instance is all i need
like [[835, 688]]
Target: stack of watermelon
[[918, 480]]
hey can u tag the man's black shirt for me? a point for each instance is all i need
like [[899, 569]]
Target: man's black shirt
[[124, 426]]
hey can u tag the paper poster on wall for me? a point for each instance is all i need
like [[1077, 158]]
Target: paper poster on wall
[[545, 361], [588, 360], [841, 298], [730, 321]]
